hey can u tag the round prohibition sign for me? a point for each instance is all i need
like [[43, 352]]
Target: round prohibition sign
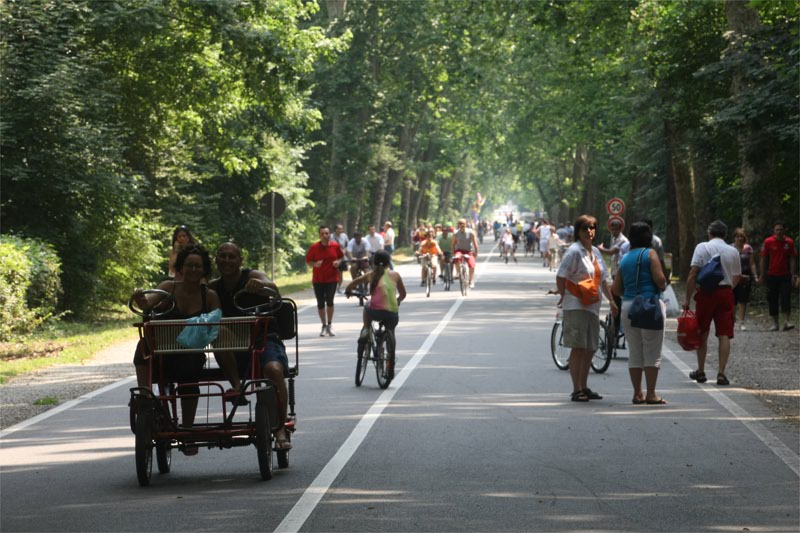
[[615, 218], [615, 207]]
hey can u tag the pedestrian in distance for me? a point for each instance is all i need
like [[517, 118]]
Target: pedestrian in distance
[[324, 257], [716, 304], [644, 345], [778, 270], [388, 241], [181, 238], [741, 293], [582, 280], [341, 237]]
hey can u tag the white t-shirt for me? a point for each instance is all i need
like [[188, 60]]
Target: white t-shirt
[[577, 266], [553, 242], [728, 258], [375, 242], [342, 240], [617, 242], [389, 241], [359, 250], [544, 233]]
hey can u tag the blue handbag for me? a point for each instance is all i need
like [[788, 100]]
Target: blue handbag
[[645, 311]]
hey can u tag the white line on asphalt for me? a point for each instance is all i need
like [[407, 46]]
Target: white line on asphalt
[[777, 447], [64, 407], [314, 493]]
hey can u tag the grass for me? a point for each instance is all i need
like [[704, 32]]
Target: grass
[[71, 341], [63, 342], [47, 400]]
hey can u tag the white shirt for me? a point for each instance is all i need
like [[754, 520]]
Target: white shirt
[[728, 258], [375, 241], [359, 251], [617, 242], [577, 266], [544, 232], [341, 239], [390, 237]]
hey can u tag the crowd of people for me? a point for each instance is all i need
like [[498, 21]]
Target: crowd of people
[[637, 271]]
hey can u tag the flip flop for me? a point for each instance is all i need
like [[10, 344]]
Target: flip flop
[[579, 396], [282, 445], [637, 402], [659, 401], [191, 450]]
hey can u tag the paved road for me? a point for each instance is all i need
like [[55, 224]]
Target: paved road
[[475, 434]]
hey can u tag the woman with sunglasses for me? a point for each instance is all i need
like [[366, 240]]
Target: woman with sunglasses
[[581, 277]]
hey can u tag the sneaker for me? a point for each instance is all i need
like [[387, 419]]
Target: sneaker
[[323, 331], [788, 326], [329, 331], [774, 328], [742, 328], [471, 284]]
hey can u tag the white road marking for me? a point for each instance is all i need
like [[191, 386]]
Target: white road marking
[[295, 519], [777, 447]]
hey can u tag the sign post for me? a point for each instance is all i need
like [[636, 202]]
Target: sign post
[[276, 205]]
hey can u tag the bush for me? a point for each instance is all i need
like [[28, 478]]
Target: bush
[[43, 294], [30, 284]]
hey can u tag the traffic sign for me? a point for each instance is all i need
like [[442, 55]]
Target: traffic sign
[[614, 218], [615, 207]]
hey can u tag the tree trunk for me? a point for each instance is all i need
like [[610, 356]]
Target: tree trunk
[[379, 192], [684, 196], [743, 20], [334, 166], [336, 8], [405, 207]]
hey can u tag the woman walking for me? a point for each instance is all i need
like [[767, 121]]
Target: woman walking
[[741, 292], [580, 279], [644, 345]]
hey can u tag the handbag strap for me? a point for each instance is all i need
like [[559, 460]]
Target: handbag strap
[[638, 264]]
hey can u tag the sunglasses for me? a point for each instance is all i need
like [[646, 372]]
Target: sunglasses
[[587, 228]]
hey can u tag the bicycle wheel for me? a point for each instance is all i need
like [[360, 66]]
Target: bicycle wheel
[[428, 282], [446, 275], [463, 280], [263, 441], [602, 356], [559, 352], [382, 368], [144, 446], [361, 364], [390, 353]]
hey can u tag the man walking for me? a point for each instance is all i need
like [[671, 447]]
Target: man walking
[[388, 241], [718, 304], [325, 256], [779, 276], [341, 237]]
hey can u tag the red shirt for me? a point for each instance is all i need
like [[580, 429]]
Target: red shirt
[[327, 273], [778, 253]]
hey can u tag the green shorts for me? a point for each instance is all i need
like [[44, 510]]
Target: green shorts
[[581, 329]]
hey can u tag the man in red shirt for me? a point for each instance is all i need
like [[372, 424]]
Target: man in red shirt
[[780, 275], [324, 257]]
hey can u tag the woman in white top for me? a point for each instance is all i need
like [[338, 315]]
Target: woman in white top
[[582, 263]]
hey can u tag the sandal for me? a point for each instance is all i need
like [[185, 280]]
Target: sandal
[[722, 380], [282, 445], [233, 396], [191, 450], [657, 401], [637, 401], [698, 376], [592, 395], [579, 396]]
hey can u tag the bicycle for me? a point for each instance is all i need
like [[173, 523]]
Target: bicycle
[[360, 267], [620, 342], [447, 272], [379, 348], [463, 273], [560, 353], [425, 261]]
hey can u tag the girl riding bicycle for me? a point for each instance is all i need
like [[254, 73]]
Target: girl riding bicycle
[[386, 290]]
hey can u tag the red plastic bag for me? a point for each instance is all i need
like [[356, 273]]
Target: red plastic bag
[[688, 331]]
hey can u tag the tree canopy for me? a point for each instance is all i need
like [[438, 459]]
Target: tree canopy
[[123, 119]]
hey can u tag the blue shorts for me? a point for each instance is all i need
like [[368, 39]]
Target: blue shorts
[[273, 350]]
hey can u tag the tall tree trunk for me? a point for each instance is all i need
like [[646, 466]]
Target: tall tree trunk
[[743, 20], [379, 192], [405, 207], [334, 166], [703, 189], [684, 196]]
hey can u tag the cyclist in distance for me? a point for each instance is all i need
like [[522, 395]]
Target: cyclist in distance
[[429, 246], [386, 291], [445, 241], [465, 244], [357, 253]]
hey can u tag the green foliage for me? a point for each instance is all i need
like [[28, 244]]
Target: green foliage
[[30, 285]]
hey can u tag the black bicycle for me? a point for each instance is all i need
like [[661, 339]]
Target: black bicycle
[[379, 348], [602, 356]]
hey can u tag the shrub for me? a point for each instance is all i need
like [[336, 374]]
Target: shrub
[[44, 291], [15, 271]]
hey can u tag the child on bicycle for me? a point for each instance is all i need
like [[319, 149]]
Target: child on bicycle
[[431, 247], [386, 291]]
